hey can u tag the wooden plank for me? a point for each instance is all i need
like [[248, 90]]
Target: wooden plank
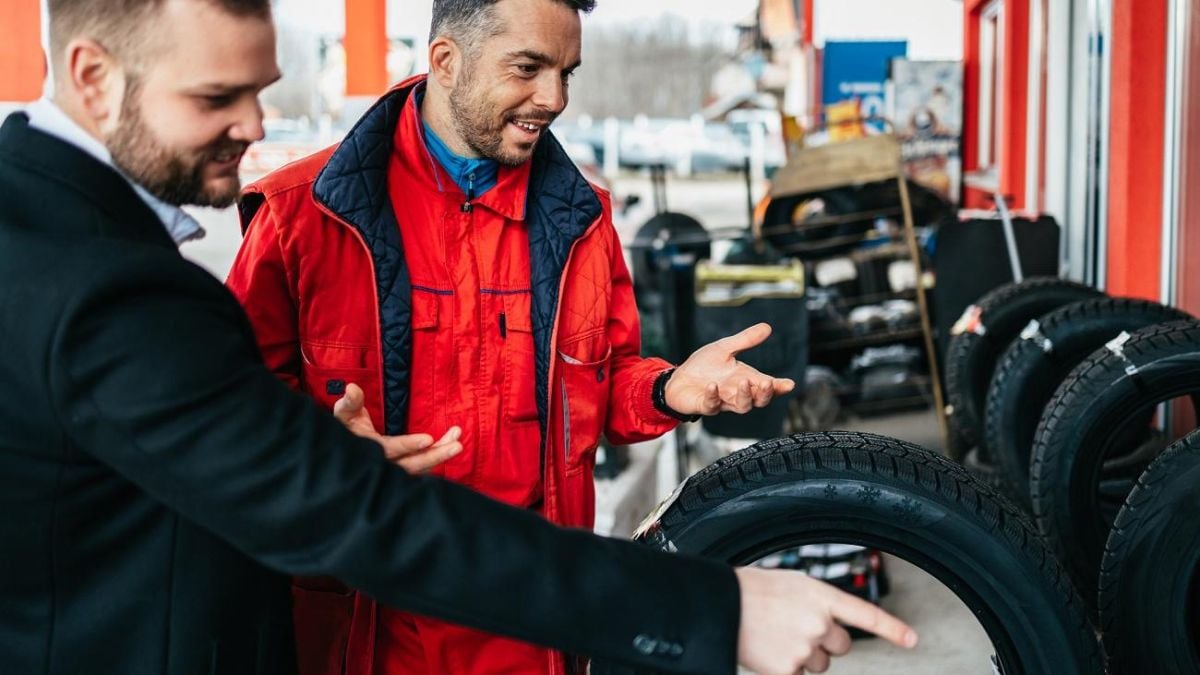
[[863, 160]]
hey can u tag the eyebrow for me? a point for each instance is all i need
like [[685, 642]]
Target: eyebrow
[[541, 58], [220, 89]]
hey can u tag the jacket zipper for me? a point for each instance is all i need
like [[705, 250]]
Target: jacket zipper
[[467, 206]]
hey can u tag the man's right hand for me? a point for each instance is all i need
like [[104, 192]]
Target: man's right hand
[[416, 453], [790, 622]]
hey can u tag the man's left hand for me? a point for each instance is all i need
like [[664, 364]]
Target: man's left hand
[[712, 380]]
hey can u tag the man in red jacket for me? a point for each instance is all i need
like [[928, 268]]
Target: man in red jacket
[[447, 268]]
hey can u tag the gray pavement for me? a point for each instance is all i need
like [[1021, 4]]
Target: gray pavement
[[952, 641]]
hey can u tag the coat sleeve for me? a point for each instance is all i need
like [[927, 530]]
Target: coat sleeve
[[632, 417], [154, 373], [260, 281]]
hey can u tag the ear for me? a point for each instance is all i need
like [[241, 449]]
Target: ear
[[93, 78], [445, 59]]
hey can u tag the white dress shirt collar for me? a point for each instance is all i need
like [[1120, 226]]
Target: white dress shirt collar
[[47, 117]]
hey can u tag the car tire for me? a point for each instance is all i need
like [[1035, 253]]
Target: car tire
[[1033, 366], [1095, 439], [889, 495], [793, 236], [1148, 604], [984, 332]]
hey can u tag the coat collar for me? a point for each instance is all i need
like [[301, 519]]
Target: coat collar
[[57, 161]]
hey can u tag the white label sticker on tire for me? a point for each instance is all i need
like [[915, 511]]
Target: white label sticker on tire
[[971, 321], [658, 512]]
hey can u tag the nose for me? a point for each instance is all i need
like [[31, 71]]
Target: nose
[[551, 93], [248, 127]]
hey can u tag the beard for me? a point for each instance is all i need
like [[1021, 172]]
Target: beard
[[176, 177], [480, 123]]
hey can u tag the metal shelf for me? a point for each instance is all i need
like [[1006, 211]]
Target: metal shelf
[[868, 340]]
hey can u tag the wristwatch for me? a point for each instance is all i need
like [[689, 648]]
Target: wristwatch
[[659, 394]]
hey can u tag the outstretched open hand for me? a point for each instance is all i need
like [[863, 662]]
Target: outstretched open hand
[[416, 453], [712, 380]]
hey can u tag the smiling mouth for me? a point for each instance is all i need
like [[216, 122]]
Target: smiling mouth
[[228, 156], [528, 127]]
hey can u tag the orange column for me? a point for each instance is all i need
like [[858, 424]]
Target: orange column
[[366, 47], [22, 66], [808, 12], [1139, 63]]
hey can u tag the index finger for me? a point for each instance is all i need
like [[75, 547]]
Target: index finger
[[854, 611], [425, 461], [401, 446]]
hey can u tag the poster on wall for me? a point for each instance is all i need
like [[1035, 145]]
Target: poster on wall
[[926, 108], [857, 72]]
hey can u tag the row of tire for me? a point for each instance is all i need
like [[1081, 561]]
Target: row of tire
[[1057, 397]]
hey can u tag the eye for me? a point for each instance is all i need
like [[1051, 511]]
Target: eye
[[527, 69], [217, 101]]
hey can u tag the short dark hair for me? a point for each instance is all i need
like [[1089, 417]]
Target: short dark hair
[[115, 23], [468, 20]]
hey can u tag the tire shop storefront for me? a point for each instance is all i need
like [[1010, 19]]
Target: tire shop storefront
[[1088, 110]]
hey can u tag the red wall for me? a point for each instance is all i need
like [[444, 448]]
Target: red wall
[[22, 66], [1139, 65], [1135, 180], [1011, 149]]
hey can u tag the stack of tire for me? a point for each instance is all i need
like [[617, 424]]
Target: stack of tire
[[1056, 393]]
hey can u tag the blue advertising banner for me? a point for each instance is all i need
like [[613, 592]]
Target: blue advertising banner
[[859, 70]]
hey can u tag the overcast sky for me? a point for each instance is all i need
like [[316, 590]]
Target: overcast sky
[[932, 27]]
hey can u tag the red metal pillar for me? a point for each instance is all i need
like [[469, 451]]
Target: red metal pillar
[[1012, 148], [22, 65], [366, 47], [1010, 159], [1136, 137], [970, 129], [809, 13]]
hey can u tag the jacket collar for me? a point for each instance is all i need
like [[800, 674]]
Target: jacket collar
[[57, 161], [353, 183], [507, 198]]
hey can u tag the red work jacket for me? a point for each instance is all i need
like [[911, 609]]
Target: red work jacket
[[514, 319]]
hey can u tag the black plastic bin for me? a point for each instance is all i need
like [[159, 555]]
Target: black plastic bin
[[730, 298]]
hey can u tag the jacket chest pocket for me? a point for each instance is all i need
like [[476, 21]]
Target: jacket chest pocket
[[427, 354], [329, 367], [584, 382], [520, 373]]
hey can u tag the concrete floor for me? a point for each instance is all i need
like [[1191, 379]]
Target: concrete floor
[[952, 641]]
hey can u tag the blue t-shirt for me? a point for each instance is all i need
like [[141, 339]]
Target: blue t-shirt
[[473, 176]]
